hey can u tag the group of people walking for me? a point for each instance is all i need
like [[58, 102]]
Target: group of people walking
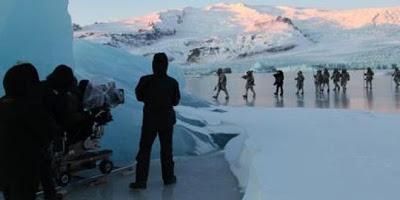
[[340, 79], [322, 79]]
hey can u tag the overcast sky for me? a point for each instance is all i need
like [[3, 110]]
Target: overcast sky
[[89, 11]]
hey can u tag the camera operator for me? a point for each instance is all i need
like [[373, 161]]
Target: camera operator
[[63, 99], [56, 89]]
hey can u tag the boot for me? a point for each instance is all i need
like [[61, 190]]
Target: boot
[[170, 181], [138, 186]]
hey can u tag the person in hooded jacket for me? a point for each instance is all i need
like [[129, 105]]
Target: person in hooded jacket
[[336, 76], [368, 77], [159, 93], [279, 78], [25, 129], [62, 100], [300, 83]]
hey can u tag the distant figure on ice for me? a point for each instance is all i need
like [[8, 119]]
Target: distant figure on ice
[[160, 93], [396, 76], [279, 78], [344, 78], [250, 83], [325, 80], [300, 83], [369, 76], [221, 85], [318, 79], [25, 129], [336, 79]]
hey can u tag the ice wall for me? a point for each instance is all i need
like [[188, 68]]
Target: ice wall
[[37, 31], [100, 64]]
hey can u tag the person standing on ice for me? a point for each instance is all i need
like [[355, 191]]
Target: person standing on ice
[[344, 78], [325, 80], [279, 78], [368, 77], [318, 78], [300, 83], [250, 83], [336, 79], [159, 93], [221, 85], [396, 76], [57, 96], [25, 129]]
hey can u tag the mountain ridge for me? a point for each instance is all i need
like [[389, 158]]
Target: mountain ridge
[[241, 34]]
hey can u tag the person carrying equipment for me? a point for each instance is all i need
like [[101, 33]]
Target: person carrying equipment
[[344, 78], [250, 83], [368, 77], [396, 76], [325, 80], [221, 85], [336, 79], [318, 78], [279, 78], [300, 83]]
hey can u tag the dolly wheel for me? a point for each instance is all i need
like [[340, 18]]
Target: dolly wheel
[[106, 166], [64, 179]]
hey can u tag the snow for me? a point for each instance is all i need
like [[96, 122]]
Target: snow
[[244, 35], [313, 154], [36, 31]]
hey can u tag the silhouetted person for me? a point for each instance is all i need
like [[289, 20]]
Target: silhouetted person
[[25, 129], [57, 98], [279, 78], [318, 79], [221, 85], [300, 83], [336, 79], [250, 83], [325, 80], [344, 78], [159, 93], [396, 76], [369, 76]]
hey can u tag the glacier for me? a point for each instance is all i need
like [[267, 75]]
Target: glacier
[[246, 36], [36, 31], [43, 35]]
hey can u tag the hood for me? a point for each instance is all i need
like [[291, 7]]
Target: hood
[[160, 64], [20, 79], [62, 78]]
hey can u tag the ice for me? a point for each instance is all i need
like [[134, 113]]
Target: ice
[[312, 154], [36, 31], [202, 177], [103, 64], [40, 32]]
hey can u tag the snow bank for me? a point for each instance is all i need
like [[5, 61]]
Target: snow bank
[[36, 31], [308, 154]]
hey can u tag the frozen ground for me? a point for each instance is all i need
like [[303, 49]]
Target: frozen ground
[[383, 98], [199, 178], [312, 154]]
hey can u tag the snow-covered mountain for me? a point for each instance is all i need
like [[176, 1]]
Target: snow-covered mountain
[[242, 36]]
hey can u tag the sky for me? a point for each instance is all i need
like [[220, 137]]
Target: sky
[[89, 11]]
